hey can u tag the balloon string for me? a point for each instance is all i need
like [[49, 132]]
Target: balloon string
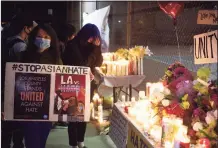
[[177, 38]]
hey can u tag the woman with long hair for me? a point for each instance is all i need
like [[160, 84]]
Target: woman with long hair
[[42, 48], [83, 50]]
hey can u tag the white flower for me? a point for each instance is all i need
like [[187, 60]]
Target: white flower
[[166, 91], [165, 102], [197, 126], [210, 117]]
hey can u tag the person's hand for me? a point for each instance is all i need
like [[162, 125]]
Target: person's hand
[[97, 42]]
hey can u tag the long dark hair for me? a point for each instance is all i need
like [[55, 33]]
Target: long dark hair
[[31, 52], [89, 31]]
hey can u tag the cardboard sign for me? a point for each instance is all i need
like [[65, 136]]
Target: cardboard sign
[[205, 47], [100, 19], [208, 17], [118, 128], [41, 92], [136, 139]]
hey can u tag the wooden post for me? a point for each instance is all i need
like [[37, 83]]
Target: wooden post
[[129, 23]]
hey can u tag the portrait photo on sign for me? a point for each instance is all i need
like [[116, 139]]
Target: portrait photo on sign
[[69, 93]]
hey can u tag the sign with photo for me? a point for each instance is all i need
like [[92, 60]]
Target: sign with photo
[[208, 17], [41, 92], [205, 47]]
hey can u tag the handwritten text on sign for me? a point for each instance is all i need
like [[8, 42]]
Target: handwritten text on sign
[[205, 47], [208, 17], [135, 138]]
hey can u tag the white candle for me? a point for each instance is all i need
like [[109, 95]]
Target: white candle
[[114, 69], [92, 110], [142, 66], [141, 94], [123, 98], [139, 66], [109, 68], [133, 99], [119, 70]]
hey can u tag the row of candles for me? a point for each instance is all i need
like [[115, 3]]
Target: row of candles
[[122, 67]]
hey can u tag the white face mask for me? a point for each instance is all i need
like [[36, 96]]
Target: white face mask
[[42, 43]]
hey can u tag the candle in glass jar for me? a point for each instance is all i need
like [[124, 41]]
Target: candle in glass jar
[[204, 143]]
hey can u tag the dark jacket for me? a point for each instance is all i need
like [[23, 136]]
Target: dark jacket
[[83, 55], [41, 58]]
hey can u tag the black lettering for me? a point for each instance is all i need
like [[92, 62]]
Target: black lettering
[[132, 137], [85, 71], [49, 68], [38, 67], [200, 46], [27, 68], [65, 69], [58, 70], [20, 67], [43, 68], [211, 43], [76, 70], [136, 142], [204, 46], [32, 68]]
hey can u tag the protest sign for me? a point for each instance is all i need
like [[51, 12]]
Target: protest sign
[[205, 47], [42, 92], [208, 17], [118, 128], [100, 19], [136, 138]]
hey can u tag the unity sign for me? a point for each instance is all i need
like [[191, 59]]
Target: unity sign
[[41, 92]]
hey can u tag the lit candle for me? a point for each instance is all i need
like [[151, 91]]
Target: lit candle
[[123, 98], [139, 65], [142, 66], [141, 94], [92, 110], [114, 69], [168, 144], [109, 68], [133, 99], [204, 143], [148, 85], [156, 132]]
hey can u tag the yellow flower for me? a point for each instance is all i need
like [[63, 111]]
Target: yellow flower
[[185, 97], [169, 73], [185, 105]]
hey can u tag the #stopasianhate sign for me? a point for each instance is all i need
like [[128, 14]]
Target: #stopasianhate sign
[[205, 47], [41, 92]]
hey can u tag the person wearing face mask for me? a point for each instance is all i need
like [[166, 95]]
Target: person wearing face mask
[[42, 48], [13, 43], [83, 50]]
